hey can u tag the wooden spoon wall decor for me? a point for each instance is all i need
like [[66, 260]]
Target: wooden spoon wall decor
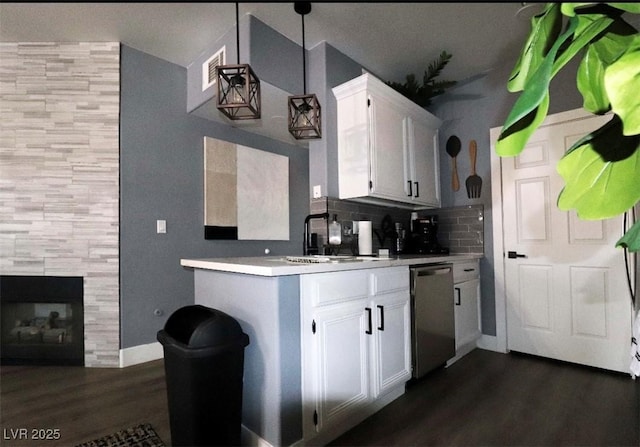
[[453, 149], [474, 181]]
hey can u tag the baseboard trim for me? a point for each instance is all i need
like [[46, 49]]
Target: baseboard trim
[[461, 352], [490, 343], [249, 438], [140, 354]]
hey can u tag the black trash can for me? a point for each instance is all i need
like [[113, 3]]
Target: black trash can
[[203, 361]]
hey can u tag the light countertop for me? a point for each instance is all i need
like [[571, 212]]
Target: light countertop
[[279, 266]]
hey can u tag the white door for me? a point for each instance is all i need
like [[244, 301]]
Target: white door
[[565, 282], [392, 341]]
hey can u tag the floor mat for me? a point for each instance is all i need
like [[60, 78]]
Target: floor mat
[[142, 435]]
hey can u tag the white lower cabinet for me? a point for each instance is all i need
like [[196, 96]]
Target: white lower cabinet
[[341, 357], [466, 312], [466, 296], [356, 353], [391, 342]]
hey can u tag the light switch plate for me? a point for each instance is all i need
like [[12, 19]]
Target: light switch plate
[[161, 226], [317, 191]]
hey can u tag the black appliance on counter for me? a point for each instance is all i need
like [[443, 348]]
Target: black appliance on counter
[[424, 237]]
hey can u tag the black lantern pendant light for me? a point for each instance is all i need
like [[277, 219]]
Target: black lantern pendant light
[[238, 87], [304, 110]]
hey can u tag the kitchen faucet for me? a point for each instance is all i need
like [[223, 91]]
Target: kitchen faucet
[[307, 242]]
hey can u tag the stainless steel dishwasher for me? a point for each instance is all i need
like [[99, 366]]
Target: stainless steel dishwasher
[[432, 320]]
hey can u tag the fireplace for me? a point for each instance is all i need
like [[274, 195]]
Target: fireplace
[[42, 320]]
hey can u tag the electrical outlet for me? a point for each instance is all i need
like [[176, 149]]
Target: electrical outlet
[[161, 226]]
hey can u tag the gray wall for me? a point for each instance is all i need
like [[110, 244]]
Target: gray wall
[[161, 177], [276, 59]]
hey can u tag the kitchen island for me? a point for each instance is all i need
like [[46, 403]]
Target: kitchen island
[[266, 295], [279, 266]]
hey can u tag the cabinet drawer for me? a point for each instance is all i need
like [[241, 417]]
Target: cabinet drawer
[[330, 288], [385, 280], [464, 271]]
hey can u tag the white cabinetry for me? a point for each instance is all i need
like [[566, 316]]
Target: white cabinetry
[[390, 303], [355, 346], [424, 165], [387, 146], [466, 296]]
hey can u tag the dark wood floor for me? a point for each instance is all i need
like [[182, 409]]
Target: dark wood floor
[[82, 403], [492, 399], [485, 399]]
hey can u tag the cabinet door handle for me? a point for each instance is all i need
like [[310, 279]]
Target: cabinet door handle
[[458, 297], [381, 327], [417, 189], [368, 331], [410, 188]]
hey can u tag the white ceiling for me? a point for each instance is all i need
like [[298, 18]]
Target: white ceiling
[[389, 39]]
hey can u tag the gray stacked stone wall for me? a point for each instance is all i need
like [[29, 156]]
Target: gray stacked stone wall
[[59, 175]]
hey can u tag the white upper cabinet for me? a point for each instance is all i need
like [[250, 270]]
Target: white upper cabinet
[[387, 146], [424, 165], [386, 131]]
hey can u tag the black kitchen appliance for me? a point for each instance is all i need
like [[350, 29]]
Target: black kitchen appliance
[[424, 236]]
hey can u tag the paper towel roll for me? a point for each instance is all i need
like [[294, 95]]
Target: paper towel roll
[[365, 237]]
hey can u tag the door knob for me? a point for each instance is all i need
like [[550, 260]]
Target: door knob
[[513, 255]]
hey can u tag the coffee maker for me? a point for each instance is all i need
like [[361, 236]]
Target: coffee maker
[[424, 236]]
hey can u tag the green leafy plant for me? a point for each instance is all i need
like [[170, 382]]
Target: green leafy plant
[[422, 94], [602, 170]]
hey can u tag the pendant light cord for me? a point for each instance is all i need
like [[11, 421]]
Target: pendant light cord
[[304, 60], [237, 34]]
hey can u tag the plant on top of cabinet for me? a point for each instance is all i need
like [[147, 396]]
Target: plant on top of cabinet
[[422, 94]]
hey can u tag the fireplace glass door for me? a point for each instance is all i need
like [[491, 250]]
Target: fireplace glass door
[[38, 328]]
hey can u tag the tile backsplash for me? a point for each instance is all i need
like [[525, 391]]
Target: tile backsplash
[[460, 228]]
